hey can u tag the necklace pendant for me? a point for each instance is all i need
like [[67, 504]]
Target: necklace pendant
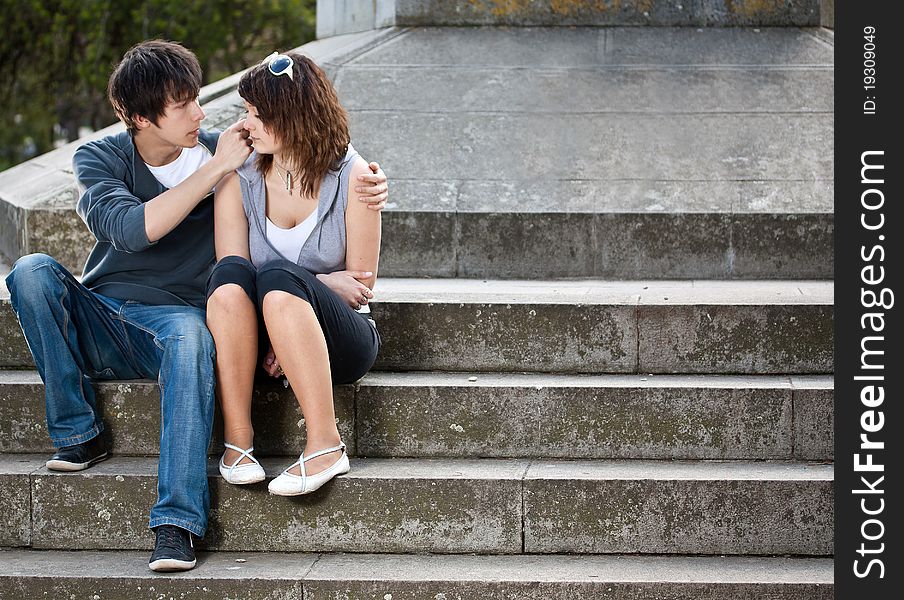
[[289, 182]]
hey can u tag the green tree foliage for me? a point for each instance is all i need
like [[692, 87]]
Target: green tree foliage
[[56, 55]]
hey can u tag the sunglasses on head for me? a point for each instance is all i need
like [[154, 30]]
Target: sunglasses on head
[[279, 64]]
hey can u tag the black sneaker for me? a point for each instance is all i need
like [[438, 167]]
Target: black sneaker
[[78, 457], [173, 550]]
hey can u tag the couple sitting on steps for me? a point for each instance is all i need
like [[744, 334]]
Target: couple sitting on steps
[[273, 225]]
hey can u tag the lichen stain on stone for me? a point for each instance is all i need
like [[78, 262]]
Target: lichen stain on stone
[[500, 8], [567, 7], [753, 8], [507, 8]]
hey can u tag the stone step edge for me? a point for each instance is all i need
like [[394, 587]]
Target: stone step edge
[[382, 416], [289, 568], [594, 292], [521, 469], [482, 379]]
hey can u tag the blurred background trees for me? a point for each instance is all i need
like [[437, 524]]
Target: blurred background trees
[[56, 55]]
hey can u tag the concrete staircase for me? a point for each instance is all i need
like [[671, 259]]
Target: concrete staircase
[[608, 326]]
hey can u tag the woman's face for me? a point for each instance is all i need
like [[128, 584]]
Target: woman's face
[[262, 140]]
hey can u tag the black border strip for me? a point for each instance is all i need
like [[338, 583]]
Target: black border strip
[[868, 263]]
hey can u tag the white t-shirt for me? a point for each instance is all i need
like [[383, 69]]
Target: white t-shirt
[[190, 160], [288, 242]]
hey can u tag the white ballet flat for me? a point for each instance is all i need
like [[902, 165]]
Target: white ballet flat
[[289, 484], [237, 474]]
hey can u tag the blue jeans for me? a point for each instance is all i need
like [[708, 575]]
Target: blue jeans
[[77, 336]]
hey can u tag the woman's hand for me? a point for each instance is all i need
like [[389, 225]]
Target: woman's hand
[[347, 286], [271, 365]]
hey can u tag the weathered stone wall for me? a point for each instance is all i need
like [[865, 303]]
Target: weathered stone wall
[[345, 16]]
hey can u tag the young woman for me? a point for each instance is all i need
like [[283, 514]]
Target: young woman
[[298, 257]]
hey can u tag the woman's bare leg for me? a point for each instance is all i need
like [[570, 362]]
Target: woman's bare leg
[[300, 348], [232, 320]]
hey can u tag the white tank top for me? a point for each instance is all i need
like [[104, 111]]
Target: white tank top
[[288, 242]]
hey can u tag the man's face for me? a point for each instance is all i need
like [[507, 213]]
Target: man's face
[[180, 123]]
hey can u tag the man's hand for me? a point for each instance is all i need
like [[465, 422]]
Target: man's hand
[[163, 213], [233, 147], [372, 189], [347, 286], [271, 365]]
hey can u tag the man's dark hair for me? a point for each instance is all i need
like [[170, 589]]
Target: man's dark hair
[[150, 75]]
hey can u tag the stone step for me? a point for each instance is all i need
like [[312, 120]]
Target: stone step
[[266, 576], [758, 327], [485, 506], [520, 228], [425, 415], [354, 15]]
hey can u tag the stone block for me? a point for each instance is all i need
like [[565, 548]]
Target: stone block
[[380, 506], [792, 246], [679, 508], [60, 233], [13, 349], [506, 337], [104, 508], [814, 423], [418, 244], [686, 13], [827, 13], [15, 497], [119, 575], [736, 339], [568, 577], [753, 13], [668, 246], [573, 417], [520, 246], [22, 415]]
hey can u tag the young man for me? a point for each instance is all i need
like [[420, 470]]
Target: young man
[[146, 196]]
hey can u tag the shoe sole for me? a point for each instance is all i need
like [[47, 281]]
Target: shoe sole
[[224, 474], [171, 564], [306, 492], [62, 465], [250, 481]]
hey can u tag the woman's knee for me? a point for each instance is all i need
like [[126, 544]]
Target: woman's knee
[[279, 302], [234, 270], [228, 301]]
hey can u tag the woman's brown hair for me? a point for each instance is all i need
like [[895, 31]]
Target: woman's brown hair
[[303, 114]]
